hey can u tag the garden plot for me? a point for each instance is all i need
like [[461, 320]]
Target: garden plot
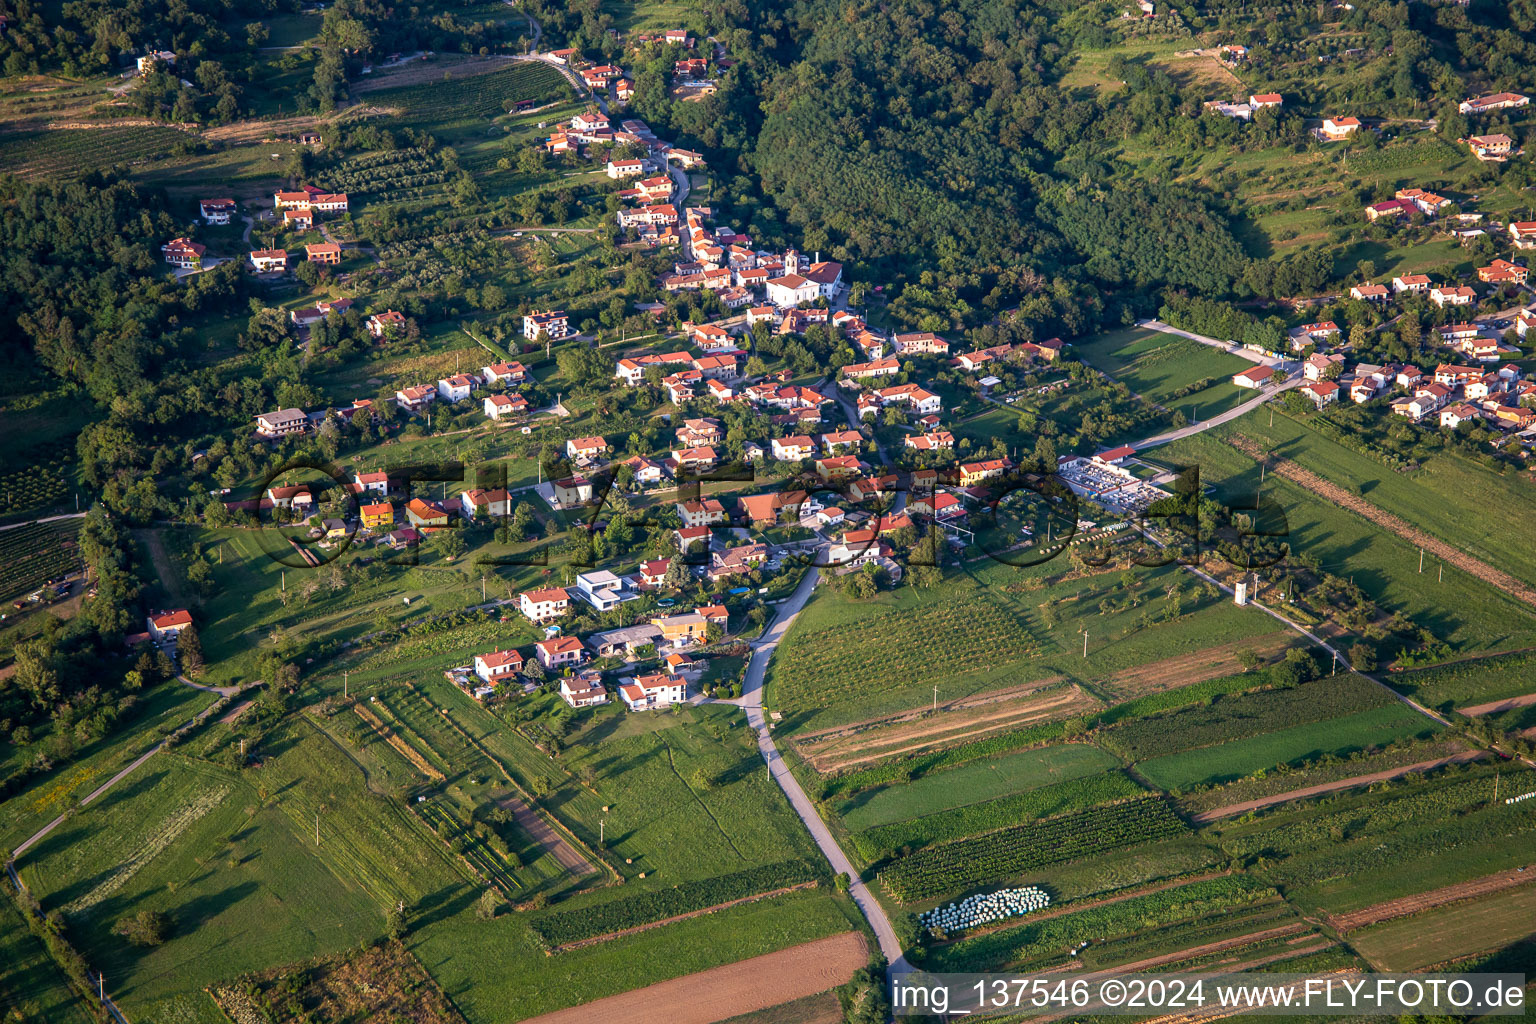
[[880, 742], [1195, 667]]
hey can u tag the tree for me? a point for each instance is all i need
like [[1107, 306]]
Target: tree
[[189, 650], [146, 928]]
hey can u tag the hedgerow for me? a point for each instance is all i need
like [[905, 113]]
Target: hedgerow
[[963, 863], [644, 908], [959, 822]]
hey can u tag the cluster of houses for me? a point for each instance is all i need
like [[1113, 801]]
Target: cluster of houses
[[1449, 396], [460, 387], [299, 210]]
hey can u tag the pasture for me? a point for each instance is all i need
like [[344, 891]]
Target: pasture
[[1236, 758], [1167, 369], [973, 783], [1448, 933], [1460, 609]]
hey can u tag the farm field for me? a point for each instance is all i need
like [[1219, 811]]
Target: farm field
[[1462, 610], [31, 985], [1428, 497], [232, 871], [61, 153], [1157, 365], [1236, 758], [33, 554], [1447, 933], [468, 96], [159, 710], [976, 782], [1473, 682]]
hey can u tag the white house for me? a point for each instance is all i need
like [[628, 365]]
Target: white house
[[559, 650], [216, 211], [497, 406], [374, 483], [1253, 377], [659, 690], [602, 589], [584, 690], [498, 665], [544, 604], [793, 448], [456, 388], [169, 623]]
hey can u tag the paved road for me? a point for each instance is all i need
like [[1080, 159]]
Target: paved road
[[42, 833], [752, 702], [1265, 394], [1225, 346]]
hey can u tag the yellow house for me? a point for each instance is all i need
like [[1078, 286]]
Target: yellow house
[[380, 516], [683, 629]]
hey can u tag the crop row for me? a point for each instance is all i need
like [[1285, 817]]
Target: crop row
[[1250, 714], [913, 646], [1435, 803], [645, 908], [1035, 939], [963, 863], [919, 765], [959, 822]]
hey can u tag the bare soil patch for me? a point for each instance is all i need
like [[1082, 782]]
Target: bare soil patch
[[974, 700], [1387, 521], [1194, 667], [1423, 901], [1496, 706], [945, 729], [724, 992], [531, 822], [264, 130], [1332, 787]]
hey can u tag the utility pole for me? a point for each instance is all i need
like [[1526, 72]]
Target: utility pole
[[1495, 787], [1085, 643], [602, 827], [935, 698], [1441, 578], [1335, 664], [344, 693], [1421, 560], [317, 828]]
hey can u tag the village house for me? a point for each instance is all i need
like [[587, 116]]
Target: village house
[[559, 651], [1394, 208], [645, 472], [583, 690], [1502, 271], [504, 373], [701, 431], [657, 690], [1322, 367], [390, 323], [183, 253], [919, 401], [1370, 293], [323, 252], [572, 491], [793, 448], [683, 629], [1455, 415], [498, 665], [291, 496], [1491, 148], [921, 343], [841, 439], [1253, 377], [972, 473], [1336, 129], [839, 467], [586, 448], [544, 604], [695, 460], [378, 516], [857, 547], [497, 406], [424, 515], [551, 322], [1414, 284], [154, 60], [416, 397], [938, 440], [282, 423], [477, 503], [1427, 203], [267, 261], [875, 368], [736, 561], [376, 482], [625, 168], [456, 388], [1447, 295], [1523, 234], [602, 589], [300, 218], [1497, 101], [216, 211], [708, 512], [169, 623]]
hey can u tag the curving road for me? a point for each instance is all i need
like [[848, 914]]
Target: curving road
[[752, 703]]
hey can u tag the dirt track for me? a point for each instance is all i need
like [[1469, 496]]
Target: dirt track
[[724, 992], [1330, 787], [564, 853], [1387, 521], [1496, 706], [405, 750], [1419, 902]]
